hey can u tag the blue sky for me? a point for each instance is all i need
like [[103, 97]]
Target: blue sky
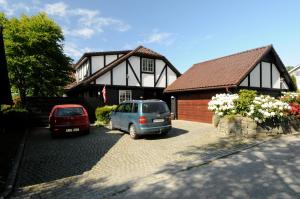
[[186, 32]]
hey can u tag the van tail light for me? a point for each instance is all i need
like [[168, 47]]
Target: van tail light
[[142, 120]]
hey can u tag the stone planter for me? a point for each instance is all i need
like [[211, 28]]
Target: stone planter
[[230, 126], [246, 127], [295, 124]]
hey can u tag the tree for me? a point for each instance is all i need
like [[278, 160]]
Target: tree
[[294, 80], [288, 68], [36, 62]]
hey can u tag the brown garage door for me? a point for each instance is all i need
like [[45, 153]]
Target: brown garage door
[[193, 107]]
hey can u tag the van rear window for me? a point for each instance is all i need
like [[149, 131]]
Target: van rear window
[[155, 107], [69, 111]]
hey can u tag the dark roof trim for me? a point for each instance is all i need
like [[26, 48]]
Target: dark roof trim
[[119, 61], [199, 88], [269, 48], [284, 71], [100, 53], [108, 67]]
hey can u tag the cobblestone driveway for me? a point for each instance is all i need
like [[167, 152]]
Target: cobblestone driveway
[[104, 162]]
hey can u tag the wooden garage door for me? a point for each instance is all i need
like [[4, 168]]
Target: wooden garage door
[[193, 107]]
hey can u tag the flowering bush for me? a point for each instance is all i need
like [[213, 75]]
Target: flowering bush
[[290, 97], [265, 108], [294, 100], [295, 110], [242, 103], [223, 104], [261, 108]]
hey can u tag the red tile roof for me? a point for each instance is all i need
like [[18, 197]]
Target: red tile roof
[[226, 71]]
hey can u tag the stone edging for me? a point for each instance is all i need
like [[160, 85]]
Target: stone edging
[[11, 179]]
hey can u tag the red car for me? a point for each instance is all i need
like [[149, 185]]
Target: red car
[[69, 118]]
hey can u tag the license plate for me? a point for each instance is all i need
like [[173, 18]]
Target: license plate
[[158, 120], [72, 130]]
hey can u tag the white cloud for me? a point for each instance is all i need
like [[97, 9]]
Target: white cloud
[[85, 33], [74, 51], [56, 9], [158, 37], [83, 22], [89, 21], [10, 9]]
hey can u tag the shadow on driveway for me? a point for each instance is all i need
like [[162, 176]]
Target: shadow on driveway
[[270, 170], [46, 159]]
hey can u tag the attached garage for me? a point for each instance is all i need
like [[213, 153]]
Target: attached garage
[[260, 69], [193, 107]]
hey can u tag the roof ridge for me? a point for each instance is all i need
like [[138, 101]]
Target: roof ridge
[[234, 54]]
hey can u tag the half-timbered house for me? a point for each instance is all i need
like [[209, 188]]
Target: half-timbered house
[[134, 74]]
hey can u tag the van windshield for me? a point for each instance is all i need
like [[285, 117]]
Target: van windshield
[[155, 107], [69, 111]]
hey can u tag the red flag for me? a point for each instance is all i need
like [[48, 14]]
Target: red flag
[[104, 94]]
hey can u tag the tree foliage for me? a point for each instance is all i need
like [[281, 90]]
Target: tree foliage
[[37, 64], [294, 81]]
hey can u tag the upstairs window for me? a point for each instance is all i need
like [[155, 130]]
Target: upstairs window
[[147, 65]]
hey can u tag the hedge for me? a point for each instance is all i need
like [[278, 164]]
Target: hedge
[[103, 113]]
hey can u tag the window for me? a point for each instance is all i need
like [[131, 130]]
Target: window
[[135, 108], [155, 107], [128, 108], [298, 73], [124, 95], [69, 112], [147, 65]]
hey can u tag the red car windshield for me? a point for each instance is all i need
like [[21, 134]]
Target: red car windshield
[[62, 112]]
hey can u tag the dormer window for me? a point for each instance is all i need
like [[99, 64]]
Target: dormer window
[[147, 65]]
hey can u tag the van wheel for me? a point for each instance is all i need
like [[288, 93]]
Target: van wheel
[[132, 132]]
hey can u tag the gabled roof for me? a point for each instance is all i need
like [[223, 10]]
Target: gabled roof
[[228, 71], [140, 50]]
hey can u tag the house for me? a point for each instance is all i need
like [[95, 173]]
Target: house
[[296, 72], [260, 69], [132, 74]]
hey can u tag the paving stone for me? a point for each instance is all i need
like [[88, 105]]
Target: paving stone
[[105, 163]]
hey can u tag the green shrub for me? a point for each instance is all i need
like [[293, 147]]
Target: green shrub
[[9, 109], [294, 81], [103, 113], [244, 101]]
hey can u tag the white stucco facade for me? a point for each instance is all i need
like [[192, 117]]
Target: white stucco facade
[[265, 75]]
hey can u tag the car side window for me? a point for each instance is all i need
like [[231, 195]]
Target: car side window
[[120, 108], [128, 108], [135, 108]]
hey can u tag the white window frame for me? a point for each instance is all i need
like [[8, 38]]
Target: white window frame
[[125, 95], [147, 65]]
